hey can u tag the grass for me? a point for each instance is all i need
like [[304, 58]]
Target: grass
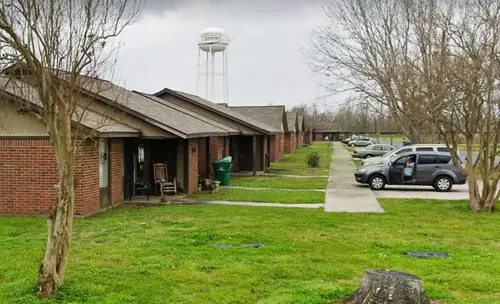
[[279, 182], [475, 147], [301, 172], [387, 136], [356, 162], [298, 159], [266, 196], [165, 254]]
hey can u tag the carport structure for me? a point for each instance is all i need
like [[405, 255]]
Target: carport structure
[[249, 148]]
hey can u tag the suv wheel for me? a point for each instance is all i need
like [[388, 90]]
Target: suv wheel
[[368, 156], [352, 145], [443, 184], [376, 182]]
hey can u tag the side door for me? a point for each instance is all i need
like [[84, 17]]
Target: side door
[[396, 170], [104, 173], [426, 166], [378, 150]]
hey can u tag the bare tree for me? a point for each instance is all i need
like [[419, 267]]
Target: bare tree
[[433, 64], [58, 47]]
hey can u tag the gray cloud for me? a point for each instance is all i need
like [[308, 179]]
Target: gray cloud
[[261, 6], [265, 63]]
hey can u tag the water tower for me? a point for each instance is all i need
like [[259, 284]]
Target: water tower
[[213, 41]]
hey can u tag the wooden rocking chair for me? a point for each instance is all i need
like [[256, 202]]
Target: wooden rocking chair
[[161, 178]]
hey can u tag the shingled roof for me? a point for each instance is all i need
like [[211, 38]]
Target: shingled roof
[[301, 123], [222, 110], [85, 117], [326, 126], [171, 118], [291, 119], [271, 115]]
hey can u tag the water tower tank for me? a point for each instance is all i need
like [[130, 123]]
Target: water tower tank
[[213, 40]]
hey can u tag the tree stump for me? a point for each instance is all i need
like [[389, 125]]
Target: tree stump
[[389, 287]]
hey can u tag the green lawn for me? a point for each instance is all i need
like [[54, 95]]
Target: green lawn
[[298, 159], [267, 196], [165, 254], [387, 136], [356, 162], [301, 172], [279, 182]]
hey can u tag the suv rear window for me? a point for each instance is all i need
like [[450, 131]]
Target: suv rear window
[[444, 159], [425, 149], [427, 159], [442, 149]]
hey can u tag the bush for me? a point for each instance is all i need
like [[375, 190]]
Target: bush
[[313, 160]]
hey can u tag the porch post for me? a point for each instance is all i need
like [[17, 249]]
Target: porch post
[[254, 162]]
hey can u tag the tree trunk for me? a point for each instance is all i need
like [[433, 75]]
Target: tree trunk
[[60, 221], [381, 287]]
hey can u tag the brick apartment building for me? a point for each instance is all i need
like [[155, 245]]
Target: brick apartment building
[[139, 130]]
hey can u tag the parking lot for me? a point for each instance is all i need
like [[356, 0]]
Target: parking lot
[[458, 192]]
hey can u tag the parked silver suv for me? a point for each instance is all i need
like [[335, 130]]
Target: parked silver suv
[[413, 148], [426, 169]]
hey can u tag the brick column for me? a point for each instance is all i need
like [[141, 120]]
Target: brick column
[[216, 147], [192, 165], [202, 158], [116, 171]]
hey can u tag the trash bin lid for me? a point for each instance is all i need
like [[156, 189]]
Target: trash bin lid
[[225, 160]]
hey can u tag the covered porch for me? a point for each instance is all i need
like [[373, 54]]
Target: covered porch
[[139, 157], [249, 153]]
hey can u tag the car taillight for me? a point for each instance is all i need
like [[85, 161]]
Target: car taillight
[[354, 152]]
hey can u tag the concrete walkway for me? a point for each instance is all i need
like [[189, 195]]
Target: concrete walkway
[[273, 189], [252, 204], [343, 194]]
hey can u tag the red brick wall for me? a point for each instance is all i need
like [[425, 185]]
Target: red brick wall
[[300, 139], [318, 136], [202, 161], [264, 142], [116, 171], [28, 174], [274, 143], [289, 142], [216, 149], [308, 137], [227, 146], [87, 178], [192, 165]]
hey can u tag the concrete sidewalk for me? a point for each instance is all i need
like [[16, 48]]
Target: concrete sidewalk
[[343, 193], [251, 204]]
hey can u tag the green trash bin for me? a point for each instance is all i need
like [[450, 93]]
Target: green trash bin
[[222, 169]]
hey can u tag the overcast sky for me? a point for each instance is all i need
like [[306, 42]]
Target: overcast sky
[[265, 61]]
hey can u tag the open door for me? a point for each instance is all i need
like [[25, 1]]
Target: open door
[[396, 171], [104, 173]]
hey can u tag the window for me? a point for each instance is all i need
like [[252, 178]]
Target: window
[[444, 159], [103, 163], [377, 148], [365, 139], [388, 148], [427, 159], [400, 162], [403, 151], [442, 149], [426, 149]]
